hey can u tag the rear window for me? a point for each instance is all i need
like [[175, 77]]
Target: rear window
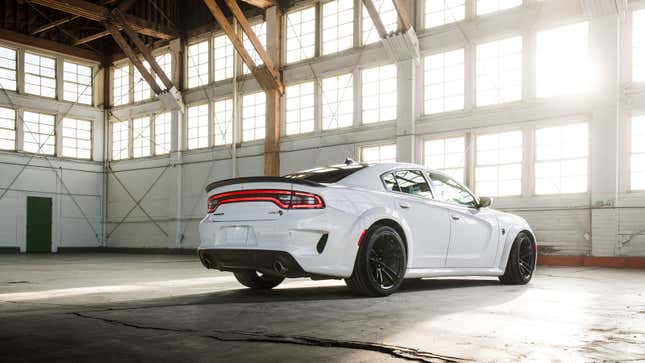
[[328, 174]]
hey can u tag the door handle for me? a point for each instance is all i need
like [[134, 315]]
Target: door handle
[[404, 205], [455, 218]]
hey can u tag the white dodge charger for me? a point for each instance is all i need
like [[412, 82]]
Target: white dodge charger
[[370, 224]]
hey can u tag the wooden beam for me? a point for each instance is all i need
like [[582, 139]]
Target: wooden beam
[[267, 81], [101, 14], [376, 18], [404, 15], [123, 44], [145, 51], [273, 104], [262, 3], [246, 27], [62, 21], [91, 38], [49, 45]]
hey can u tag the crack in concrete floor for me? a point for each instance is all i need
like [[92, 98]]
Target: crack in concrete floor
[[258, 337]]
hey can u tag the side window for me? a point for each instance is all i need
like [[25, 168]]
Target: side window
[[390, 183], [450, 191], [413, 182]]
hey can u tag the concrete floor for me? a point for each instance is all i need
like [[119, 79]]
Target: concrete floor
[[126, 308]]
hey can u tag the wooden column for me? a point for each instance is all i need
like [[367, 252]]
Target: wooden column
[[272, 138]]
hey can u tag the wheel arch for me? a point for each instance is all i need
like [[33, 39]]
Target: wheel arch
[[393, 224]]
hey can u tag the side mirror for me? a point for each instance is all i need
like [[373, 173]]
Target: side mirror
[[485, 202]]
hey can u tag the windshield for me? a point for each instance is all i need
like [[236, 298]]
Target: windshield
[[328, 174]]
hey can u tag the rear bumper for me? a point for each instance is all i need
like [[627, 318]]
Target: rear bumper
[[266, 261]]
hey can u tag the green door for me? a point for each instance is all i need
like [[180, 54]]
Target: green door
[[39, 224]]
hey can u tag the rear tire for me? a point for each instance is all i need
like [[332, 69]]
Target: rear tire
[[380, 264], [521, 261], [256, 281]]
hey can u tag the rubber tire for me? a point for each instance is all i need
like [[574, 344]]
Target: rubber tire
[[360, 281], [512, 275], [251, 279]]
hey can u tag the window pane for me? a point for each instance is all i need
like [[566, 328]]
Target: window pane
[[444, 82], [121, 85], [337, 102], [141, 86], [498, 170], [224, 122], [561, 159], [165, 62], [389, 17], [638, 46], [563, 65], [301, 34], [77, 83], [198, 64], [141, 137], [337, 26], [440, 12], [40, 75], [162, 133], [223, 49], [499, 71], [446, 155], [448, 190], [77, 138], [491, 6], [120, 140], [413, 182], [198, 126], [253, 116], [638, 153], [260, 31], [39, 133], [379, 94], [7, 129], [390, 183], [378, 154], [299, 108], [7, 68]]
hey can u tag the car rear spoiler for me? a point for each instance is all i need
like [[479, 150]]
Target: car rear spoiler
[[261, 179]]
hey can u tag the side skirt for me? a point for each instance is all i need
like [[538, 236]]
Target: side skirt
[[448, 272]]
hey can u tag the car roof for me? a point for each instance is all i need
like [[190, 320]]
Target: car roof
[[370, 177]]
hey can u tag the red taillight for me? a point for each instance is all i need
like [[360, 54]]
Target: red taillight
[[285, 199]]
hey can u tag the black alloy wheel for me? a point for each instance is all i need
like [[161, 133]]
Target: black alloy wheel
[[521, 261]]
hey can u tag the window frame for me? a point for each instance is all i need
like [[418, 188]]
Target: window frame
[[62, 141], [15, 129], [208, 123], [315, 85], [24, 131], [130, 94], [90, 87], [464, 187], [187, 63], [16, 63], [38, 53], [306, 5], [321, 29], [497, 131]]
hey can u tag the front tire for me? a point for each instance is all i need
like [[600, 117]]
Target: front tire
[[521, 261], [256, 281], [380, 263]]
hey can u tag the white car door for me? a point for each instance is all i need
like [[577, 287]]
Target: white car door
[[474, 232], [429, 223]]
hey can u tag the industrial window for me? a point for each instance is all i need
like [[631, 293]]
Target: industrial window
[[7, 129], [444, 82], [223, 49], [301, 34], [440, 12], [378, 154], [223, 122], [121, 85], [77, 138], [141, 86], [499, 71], [198, 126], [120, 133], [638, 153], [561, 159], [446, 155], [337, 101], [299, 108], [165, 62], [7, 68], [77, 83], [379, 94], [162, 133], [562, 60], [38, 133], [260, 31], [491, 6], [141, 134], [638, 46], [389, 17], [40, 75], [198, 64], [337, 26], [498, 170], [253, 116]]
